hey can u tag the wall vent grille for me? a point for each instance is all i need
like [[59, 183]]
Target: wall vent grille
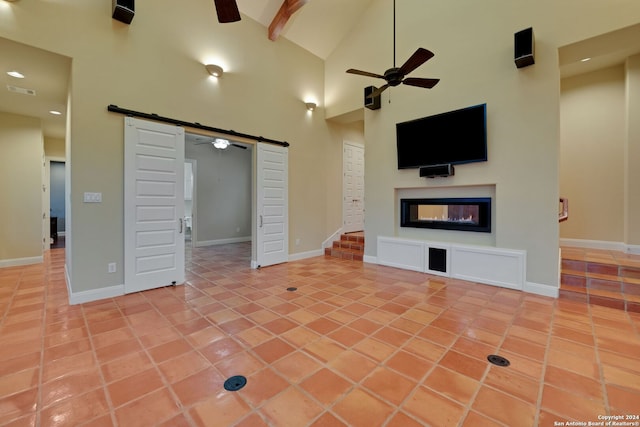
[[23, 91]]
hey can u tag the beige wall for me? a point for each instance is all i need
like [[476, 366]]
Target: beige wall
[[473, 46], [632, 154], [592, 111], [21, 153], [54, 147], [156, 65]]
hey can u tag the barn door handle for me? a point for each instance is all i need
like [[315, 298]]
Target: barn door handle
[[181, 225], [261, 222]]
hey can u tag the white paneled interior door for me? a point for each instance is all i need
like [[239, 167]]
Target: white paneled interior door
[[353, 187], [272, 224], [153, 205]]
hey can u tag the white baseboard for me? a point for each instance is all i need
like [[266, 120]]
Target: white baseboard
[[21, 261], [543, 290], [95, 294], [254, 264], [304, 255], [633, 249], [593, 244], [222, 241], [601, 244], [333, 238], [370, 259]]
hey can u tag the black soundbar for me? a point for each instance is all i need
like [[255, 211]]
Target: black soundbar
[[437, 170]]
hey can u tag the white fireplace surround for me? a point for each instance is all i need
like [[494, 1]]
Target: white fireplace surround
[[493, 266]]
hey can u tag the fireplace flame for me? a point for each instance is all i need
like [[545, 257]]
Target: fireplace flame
[[467, 220]]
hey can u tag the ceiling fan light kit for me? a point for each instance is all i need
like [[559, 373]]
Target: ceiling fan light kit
[[220, 143], [310, 105]]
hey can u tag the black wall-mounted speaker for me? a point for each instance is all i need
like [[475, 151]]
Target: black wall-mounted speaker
[[371, 102], [123, 10], [524, 48], [437, 170]]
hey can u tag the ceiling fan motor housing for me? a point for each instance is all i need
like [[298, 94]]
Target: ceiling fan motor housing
[[393, 76]]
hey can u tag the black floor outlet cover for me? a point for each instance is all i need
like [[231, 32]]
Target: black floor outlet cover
[[292, 289], [235, 383], [498, 360]]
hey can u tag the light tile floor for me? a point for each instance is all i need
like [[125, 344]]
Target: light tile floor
[[355, 345]]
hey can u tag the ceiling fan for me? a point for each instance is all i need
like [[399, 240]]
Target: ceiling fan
[[397, 75], [227, 11]]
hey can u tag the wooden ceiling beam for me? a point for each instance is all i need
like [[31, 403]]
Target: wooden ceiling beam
[[288, 8]]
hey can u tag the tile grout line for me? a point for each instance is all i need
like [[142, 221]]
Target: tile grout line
[[185, 410], [43, 341], [596, 348], [112, 412], [545, 364], [469, 406]]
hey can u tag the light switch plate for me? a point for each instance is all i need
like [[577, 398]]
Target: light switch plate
[[92, 197]]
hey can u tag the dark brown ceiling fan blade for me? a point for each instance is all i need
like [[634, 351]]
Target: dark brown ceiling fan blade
[[416, 81], [227, 11], [364, 73], [378, 91], [418, 58]]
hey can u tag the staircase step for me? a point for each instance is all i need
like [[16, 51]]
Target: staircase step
[[597, 280], [350, 254], [352, 238], [350, 247]]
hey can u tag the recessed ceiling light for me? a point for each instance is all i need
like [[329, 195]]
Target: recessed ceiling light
[[585, 59], [16, 74], [55, 112]]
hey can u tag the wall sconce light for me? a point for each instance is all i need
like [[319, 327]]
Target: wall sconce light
[[220, 143], [311, 105], [214, 70]]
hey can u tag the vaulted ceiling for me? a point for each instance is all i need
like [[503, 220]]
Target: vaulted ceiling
[[316, 25]]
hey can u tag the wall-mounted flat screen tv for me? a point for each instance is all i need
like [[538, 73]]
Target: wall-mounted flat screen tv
[[454, 137]]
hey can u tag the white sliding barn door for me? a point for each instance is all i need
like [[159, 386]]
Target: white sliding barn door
[[153, 205], [272, 223]]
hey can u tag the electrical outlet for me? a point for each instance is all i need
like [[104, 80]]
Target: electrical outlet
[[297, 242], [237, 229], [111, 267]]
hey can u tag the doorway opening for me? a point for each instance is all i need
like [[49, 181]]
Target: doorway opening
[[218, 195], [57, 204], [352, 187]]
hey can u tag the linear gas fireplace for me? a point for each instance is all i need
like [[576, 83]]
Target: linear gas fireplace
[[463, 214]]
